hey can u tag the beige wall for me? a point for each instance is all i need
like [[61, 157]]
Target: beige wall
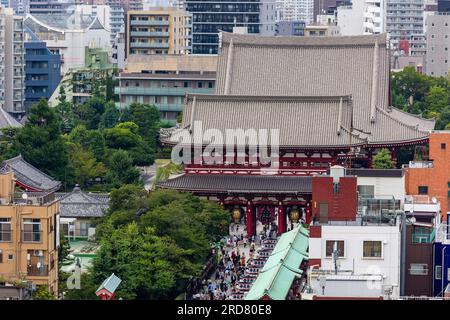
[[16, 268], [195, 63]]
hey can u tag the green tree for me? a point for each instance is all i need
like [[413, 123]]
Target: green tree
[[84, 164], [382, 160], [65, 111], [40, 141], [42, 293], [121, 169], [410, 85], [89, 113], [110, 117], [437, 99], [147, 118], [86, 292], [89, 139]]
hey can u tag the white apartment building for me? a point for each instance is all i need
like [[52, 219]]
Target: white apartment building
[[374, 17], [403, 19], [367, 263], [12, 63], [296, 10], [103, 13], [69, 35], [361, 17]]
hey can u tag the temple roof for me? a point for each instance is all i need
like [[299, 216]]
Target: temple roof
[[242, 184], [302, 121], [7, 121], [317, 66], [81, 204], [412, 119], [29, 176]]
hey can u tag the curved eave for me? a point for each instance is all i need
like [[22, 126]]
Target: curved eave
[[398, 143], [216, 191]]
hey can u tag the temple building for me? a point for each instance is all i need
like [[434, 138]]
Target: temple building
[[78, 208], [29, 177], [319, 107]]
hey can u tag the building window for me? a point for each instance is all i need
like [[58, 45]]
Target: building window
[[210, 85], [329, 248], [185, 84], [200, 84], [418, 269], [1, 256], [438, 273], [5, 229], [423, 190], [31, 230], [10, 257], [443, 146], [366, 191], [372, 249]]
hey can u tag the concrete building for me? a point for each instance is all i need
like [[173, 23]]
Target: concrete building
[[49, 7], [158, 31], [68, 35], [321, 31], [438, 44], [290, 28], [350, 19], [118, 50], [208, 18], [117, 18], [430, 180], [418, 46], [443, 5], [294, 10], [12, 63], [42, 72], [78, 82], [441, 260], [374, 16], [103, 13], [163, 80], [29, 236], [403, 19]]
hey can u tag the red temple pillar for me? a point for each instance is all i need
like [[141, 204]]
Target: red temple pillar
[[308, 212], [394, 155], [281, 219], [251, 220]]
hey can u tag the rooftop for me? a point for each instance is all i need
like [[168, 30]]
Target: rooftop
[[262, 65], [81, 204], [28, 176], [7, 120]]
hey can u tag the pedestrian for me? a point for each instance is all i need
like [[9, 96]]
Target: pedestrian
[[243, 259]]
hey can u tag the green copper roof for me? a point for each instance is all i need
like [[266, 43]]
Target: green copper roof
[[277, 275]]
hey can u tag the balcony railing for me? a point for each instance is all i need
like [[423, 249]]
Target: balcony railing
[[34, 271], [31, 236], [420, 164], [6, 236]]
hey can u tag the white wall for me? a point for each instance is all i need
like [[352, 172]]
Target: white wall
[[353, 236], [350, 19], [385, 186]]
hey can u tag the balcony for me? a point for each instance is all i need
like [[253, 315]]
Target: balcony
[[32, 236], [420, 203], [149, 23], [144, 45], [174, 91], [34, 271], [149, 34], [420, 237], [420, 164]]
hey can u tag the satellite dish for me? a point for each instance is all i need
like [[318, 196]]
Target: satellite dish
[[434, 200], [413, 220], [24, 196]]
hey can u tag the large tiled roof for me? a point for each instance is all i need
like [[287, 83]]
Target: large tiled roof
[[7, 121], [81, 204], [301, 121], [242, 184], [29, 176], [412, 119], [317, 66]]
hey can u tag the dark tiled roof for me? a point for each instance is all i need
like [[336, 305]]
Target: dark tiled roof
[[30, 176], [7, 121], [81, 204], [241, 184], [304, 66], [412, 119], [376, 173], [301, 121]]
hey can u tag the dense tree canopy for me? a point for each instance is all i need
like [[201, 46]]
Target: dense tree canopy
[[421, 94]]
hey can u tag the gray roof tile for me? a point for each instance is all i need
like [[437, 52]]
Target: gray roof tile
[[302, 121], [303, 66], [30, 176], [81, 204], [240, 184]]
